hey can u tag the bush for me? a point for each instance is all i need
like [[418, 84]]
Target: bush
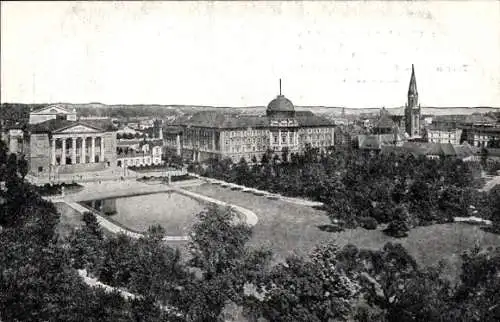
[[368, 223], [181, 178], [56, 189], [397, 229]]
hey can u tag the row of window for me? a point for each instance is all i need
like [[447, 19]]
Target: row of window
[[139, 161], [246, 133], [318, 130]]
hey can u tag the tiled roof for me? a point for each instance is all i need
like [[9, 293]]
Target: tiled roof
[[465, 150], [479, 119], [384, 122], [216, 119], [58, 124], [416, 148], [398, 150], [369, 142], [440, 149], [444, 149]]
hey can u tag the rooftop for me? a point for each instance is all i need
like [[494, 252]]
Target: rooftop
[[216, 119], [59, 124]]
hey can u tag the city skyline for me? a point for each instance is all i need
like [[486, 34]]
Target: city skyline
[[357, 55]]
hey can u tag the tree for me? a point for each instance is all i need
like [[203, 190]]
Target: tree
[[391, 281], [284, 154], [242, 172], [477, 298], [223, 264], [305, 290], [398, 227], [11, 169], [3, 160], [87, 244]]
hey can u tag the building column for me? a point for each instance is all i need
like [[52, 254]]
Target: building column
[[53, 156], [73, 152], [213, 140], [279, 139], [63, 154], [84, 147], [92, 151], [178, 144], [101, 158]]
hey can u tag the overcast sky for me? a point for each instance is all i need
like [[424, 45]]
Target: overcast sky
[[232, 54]]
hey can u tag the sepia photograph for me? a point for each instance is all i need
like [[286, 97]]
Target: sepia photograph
[[254, 161]]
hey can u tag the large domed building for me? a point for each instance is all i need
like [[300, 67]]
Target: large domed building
[[214, 134], [280, 106]]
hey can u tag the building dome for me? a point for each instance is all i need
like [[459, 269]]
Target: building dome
[[280, 105]]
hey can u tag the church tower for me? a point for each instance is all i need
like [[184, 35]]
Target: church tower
[[412, 108]]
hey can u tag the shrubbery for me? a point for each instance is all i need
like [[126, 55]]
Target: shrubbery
[[354, 185], [163, 178], [56, 189], [368, 223]]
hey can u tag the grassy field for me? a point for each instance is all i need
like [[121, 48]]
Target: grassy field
[[293, 229], [173, 211]]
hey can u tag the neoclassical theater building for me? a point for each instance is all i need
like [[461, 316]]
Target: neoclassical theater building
[[213, 134], [55, 142]]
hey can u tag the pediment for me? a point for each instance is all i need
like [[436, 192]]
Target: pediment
[[79, 129], [52, 109]]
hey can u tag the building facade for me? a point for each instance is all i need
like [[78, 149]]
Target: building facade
[[55, 142], [412, 108], [482, 136], [144, 153], [443, 134], [212, 134]]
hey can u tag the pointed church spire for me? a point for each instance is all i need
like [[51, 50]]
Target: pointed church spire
[[412, 90], [280, 86]]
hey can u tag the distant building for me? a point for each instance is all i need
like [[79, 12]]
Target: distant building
[[384, 132], [54, 142], [213, 134], [481, 136], [464, 152], [412, 108], [481, 130], [141, 154], [438, 133]]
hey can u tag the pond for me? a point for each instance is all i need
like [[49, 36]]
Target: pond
[[173, 211]]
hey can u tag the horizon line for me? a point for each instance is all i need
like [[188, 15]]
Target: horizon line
[[246, 106]]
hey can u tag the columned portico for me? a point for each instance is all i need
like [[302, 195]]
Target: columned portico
[[78, 152]]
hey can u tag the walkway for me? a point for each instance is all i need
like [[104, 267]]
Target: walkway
[[298, 201], [131, 187], [94, 282], [491, 183]]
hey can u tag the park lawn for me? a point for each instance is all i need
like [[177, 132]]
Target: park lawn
[[176, 213], [291, 229]]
